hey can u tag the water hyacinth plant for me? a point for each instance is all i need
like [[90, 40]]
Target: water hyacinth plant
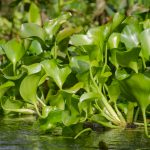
[[68, 77]]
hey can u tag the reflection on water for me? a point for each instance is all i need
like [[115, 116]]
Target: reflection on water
[[20, 135]]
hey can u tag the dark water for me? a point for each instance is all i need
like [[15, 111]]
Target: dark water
[[19, 134]]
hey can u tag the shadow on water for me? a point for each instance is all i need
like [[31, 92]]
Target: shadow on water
[[20, 135]]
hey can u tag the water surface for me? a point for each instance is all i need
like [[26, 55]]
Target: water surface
[[19, 134]]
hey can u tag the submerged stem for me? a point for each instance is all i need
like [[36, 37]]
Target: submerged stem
[[84, 130]]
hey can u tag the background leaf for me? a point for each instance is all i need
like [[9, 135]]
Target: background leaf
[[32, 30], [145, 43], [34, 14]]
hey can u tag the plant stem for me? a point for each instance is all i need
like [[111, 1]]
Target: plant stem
[[145, 123], [120, 115], [136, 114], [110, 109], [41, 101], [112, 113], [143, 60], [130, 112], [103, 113], [85, 130], [105, 62], [37, 110], [14, 69]]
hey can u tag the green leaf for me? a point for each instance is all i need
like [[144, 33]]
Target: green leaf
[[130, 36], [54, 117], [71, 113], [5, 86], [89, 96], [128, 58], [14, 51], [67, 32], [57, 74], [114, 40], [121, 74], [74, 88], [114, 91], [9, 104], [138, 86], [34, 68], [80, 39], [56, 100], [15, 77], [32, 30], [35, 47], [113, 58], [99, 35], [28, 88], [52, 27], [93, 52], [85, 104], [145, 43], [34, 14], [80, 64], [117, 20]]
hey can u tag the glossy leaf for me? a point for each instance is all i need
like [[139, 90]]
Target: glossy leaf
[[54, 117], [137, 85], [15, 77], [79, 40], [114, 91], [128, 58], [85, 104], [121, 74], [130, 36], [9, 105], [113, 58], [74, 88], [71, 113], [34, 68], [35, 47], [145, 42], [56, 100], [99, 35], [65, 33], [34, 14], [89, 96], [117, 20], [80, 64], [93, 52], [57, 74], [53, 26], [5, 86], [114, 40], [28, 88], [32, 30], [14, 51]]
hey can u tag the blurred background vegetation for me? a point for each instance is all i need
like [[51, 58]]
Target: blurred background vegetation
[[85, 13]]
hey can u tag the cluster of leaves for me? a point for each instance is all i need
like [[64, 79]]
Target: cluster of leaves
[[68, 77]]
